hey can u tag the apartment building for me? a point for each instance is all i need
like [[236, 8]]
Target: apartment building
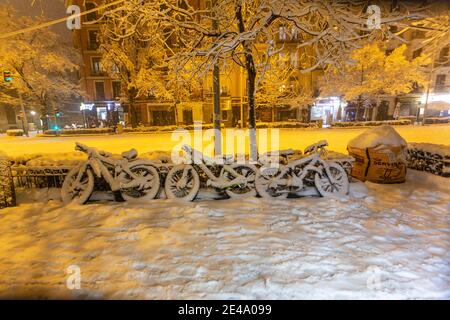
[[102, 106]]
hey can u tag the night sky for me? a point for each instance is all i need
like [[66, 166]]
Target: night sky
[[51, 9]]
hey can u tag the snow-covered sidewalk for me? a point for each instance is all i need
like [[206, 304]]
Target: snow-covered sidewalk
[[382, 241]]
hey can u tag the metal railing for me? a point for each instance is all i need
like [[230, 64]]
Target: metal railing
[[39, 177]]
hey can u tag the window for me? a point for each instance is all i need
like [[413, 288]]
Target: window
[[93, 15], [443, 55], [97, 67], [93, 40], [117, 88], [224, 91], [417, 53], [99, 90], [225, 115], [440, 79], [282, 33]]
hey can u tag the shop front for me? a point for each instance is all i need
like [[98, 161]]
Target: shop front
[[102, 114], [328, 110]]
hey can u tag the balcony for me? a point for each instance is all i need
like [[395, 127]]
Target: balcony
[[98, 73]]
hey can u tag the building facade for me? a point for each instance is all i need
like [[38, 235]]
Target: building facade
[[101, 105]]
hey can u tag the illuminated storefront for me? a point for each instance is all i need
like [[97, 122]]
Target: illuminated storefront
[[328, 110], [101, 114]]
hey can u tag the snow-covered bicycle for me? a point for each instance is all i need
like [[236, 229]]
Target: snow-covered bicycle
[[328, 177], [184, 180], [132, 177]]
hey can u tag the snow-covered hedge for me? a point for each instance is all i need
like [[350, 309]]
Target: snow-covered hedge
[[434, 120], [14, 132], [79, 131], [72, 159], [280, 124], [204, 126], [429, 157], [373, 123], [286, 124]]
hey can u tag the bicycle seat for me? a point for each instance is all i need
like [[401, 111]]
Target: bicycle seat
[[284, 153], [130, 155], [314, 147]]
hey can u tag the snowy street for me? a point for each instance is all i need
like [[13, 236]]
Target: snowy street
[[288, 138], [381, 241]]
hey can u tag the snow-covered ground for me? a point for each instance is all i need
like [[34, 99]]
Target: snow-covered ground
[[288, 138], [381, 241]]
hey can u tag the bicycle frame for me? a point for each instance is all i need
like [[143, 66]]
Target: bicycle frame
[[313, 163], [97, 162], [198, 159]]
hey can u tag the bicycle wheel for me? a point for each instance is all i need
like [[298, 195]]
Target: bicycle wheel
[[182, 182], [268, 185], [77, 191], [334, 185], [241, 190], [147, 179]]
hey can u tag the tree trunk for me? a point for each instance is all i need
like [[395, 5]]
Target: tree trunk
[[133, 115], [251, 84], [217, 114], [216, 88], [132, 108], [251, 80], [44, 118], [358, 109]]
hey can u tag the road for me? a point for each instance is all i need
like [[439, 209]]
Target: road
[[288, 138]]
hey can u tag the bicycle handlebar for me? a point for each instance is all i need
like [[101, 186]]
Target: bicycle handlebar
[[84, 148], [80, 147]]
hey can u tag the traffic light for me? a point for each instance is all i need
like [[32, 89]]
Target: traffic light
[[7, 77], [58, 113]]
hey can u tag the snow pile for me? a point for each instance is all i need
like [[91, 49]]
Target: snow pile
[[71, 159], [378, 137], [50, 159], [373, 123], [286, 124], [380, 242], [157, 156], [437, 149], [14, 132]]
